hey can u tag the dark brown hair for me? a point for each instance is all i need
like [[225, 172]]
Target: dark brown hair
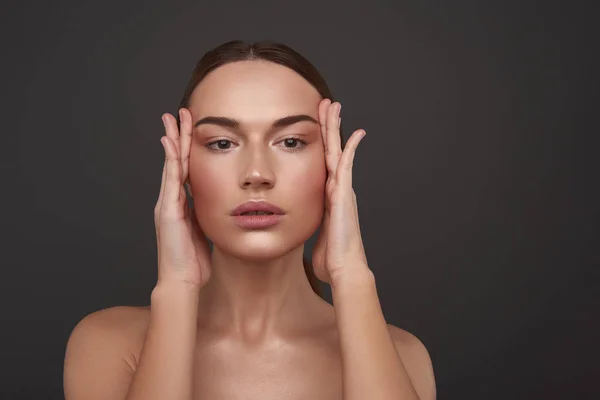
[[238, 50]]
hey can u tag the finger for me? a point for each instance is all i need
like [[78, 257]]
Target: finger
[[162, 190], [354, 201], [362, 245], [161, 196], [159, 203], [185, 140], [158, 206], [173, 186], [344, 171], [198, 237], [334, 149], [172, 131], [323, 106], [325, 222]]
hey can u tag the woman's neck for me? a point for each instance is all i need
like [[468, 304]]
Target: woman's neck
[[258, 301]]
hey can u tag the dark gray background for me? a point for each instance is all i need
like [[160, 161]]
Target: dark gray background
[[478, 201]]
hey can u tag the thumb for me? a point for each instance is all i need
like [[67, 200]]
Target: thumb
[[198, 236]]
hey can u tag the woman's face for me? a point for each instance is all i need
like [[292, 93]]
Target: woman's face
[[284, 165]]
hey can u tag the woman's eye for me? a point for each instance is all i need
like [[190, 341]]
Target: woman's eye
[[222, 144], [293, 144], [292, 141]]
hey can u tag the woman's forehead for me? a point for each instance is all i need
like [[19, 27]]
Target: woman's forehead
[[252, 87]]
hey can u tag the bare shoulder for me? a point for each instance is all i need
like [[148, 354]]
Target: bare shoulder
[[119, 329], [107, 344], [416, 360], [124, 327], [121, 318]]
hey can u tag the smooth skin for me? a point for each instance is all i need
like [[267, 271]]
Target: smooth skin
[[242, 322]]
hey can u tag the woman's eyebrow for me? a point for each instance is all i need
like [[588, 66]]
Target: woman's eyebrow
[[235, 124]]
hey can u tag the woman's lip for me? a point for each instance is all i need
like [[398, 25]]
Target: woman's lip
[[257, 221], [260, 205]]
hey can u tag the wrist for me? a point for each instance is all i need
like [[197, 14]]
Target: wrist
[[175, 288], [353, 277]]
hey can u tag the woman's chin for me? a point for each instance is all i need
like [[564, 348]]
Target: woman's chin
[[259, 248]]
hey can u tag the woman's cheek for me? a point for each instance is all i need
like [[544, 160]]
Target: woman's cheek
[[211, 200], [309, 195]]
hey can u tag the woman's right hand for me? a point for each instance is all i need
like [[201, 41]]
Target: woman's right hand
[[183, 251]]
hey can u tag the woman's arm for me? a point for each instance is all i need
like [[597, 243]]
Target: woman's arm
[[165, 369], [99, 364], [375, 365]]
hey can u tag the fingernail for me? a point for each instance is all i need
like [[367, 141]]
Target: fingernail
[[164, 121]]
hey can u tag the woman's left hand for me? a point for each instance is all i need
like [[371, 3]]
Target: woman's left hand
[[339, 248]]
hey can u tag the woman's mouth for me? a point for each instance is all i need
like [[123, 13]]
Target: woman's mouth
[[257, 219]]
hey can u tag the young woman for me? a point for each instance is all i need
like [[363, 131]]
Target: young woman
[[257, 144]]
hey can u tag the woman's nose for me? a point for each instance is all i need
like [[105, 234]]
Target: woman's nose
[[257, 180], [259, 173]]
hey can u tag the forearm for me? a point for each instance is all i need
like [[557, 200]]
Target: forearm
[[166, 361], [371, 366]]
